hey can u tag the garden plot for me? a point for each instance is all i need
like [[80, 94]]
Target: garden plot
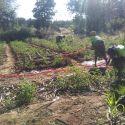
[[49, 105], [29, 58], [73, 46]]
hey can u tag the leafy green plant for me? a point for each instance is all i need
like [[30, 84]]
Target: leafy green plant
[[60, 62], [57, 61], [29, 58], [9, 103], [78, 81], [116, 104], [25, 93]]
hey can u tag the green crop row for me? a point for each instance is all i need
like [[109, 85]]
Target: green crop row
[[69, 44], [76, 44], [28, 57]]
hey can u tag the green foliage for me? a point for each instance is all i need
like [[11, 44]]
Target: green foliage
[[79, 25], [57, 24], [76, 82], [9, 103], [7, 14], [69, 44], [25, 93], [111, 16], [59, 61], [15, 35], [43, 12], [112, 103], [29, 57], [116, 104], [116, 24], [80, 80]]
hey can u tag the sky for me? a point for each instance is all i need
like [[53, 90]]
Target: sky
[[25, 8]]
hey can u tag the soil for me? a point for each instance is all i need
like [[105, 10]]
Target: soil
[[82, 109], [8, 66], [66, 110]]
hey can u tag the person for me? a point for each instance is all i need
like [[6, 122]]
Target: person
[[98, 46], [117, 57], [59, 38]]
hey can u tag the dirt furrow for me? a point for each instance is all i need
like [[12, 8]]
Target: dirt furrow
[[8, 66]]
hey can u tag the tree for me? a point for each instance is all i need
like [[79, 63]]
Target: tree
[[43, 12], [77, 7], [98, 13], [7, 14], [95, 15]]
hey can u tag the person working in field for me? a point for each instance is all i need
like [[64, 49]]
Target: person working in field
[[98, 46], [117, 55]]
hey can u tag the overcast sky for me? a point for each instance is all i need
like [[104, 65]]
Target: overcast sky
[[25, 8]]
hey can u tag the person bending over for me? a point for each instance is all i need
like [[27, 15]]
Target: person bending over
[[98, 46]]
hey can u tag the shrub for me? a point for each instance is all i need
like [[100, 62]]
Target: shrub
[[60, 61], [15, 35], [76, 82], [25, 93], [80, 80]]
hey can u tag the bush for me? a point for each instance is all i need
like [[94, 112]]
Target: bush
[[76, 82], [60, 62], [80, 81], [25, 93], [15, 35]]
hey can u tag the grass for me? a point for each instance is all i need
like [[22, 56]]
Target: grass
[[25, 93]]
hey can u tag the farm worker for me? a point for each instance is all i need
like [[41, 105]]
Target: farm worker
[[59, 39], [98, 46], [117, 54]]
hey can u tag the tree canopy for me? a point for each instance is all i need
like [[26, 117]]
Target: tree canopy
[[99, 14], [7, 14], [43, 12]]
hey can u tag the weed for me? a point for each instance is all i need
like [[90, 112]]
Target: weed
[[116, 104], [9, 103], [26, 93], [78, 81]]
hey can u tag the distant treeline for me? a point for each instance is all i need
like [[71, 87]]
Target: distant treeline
[[99, 15]]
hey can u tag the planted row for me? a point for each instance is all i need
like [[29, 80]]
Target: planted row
[[29, 57], [69, 44], [73, 45]]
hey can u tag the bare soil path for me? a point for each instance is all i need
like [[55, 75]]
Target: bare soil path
[[71, 110], [8, 66]]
